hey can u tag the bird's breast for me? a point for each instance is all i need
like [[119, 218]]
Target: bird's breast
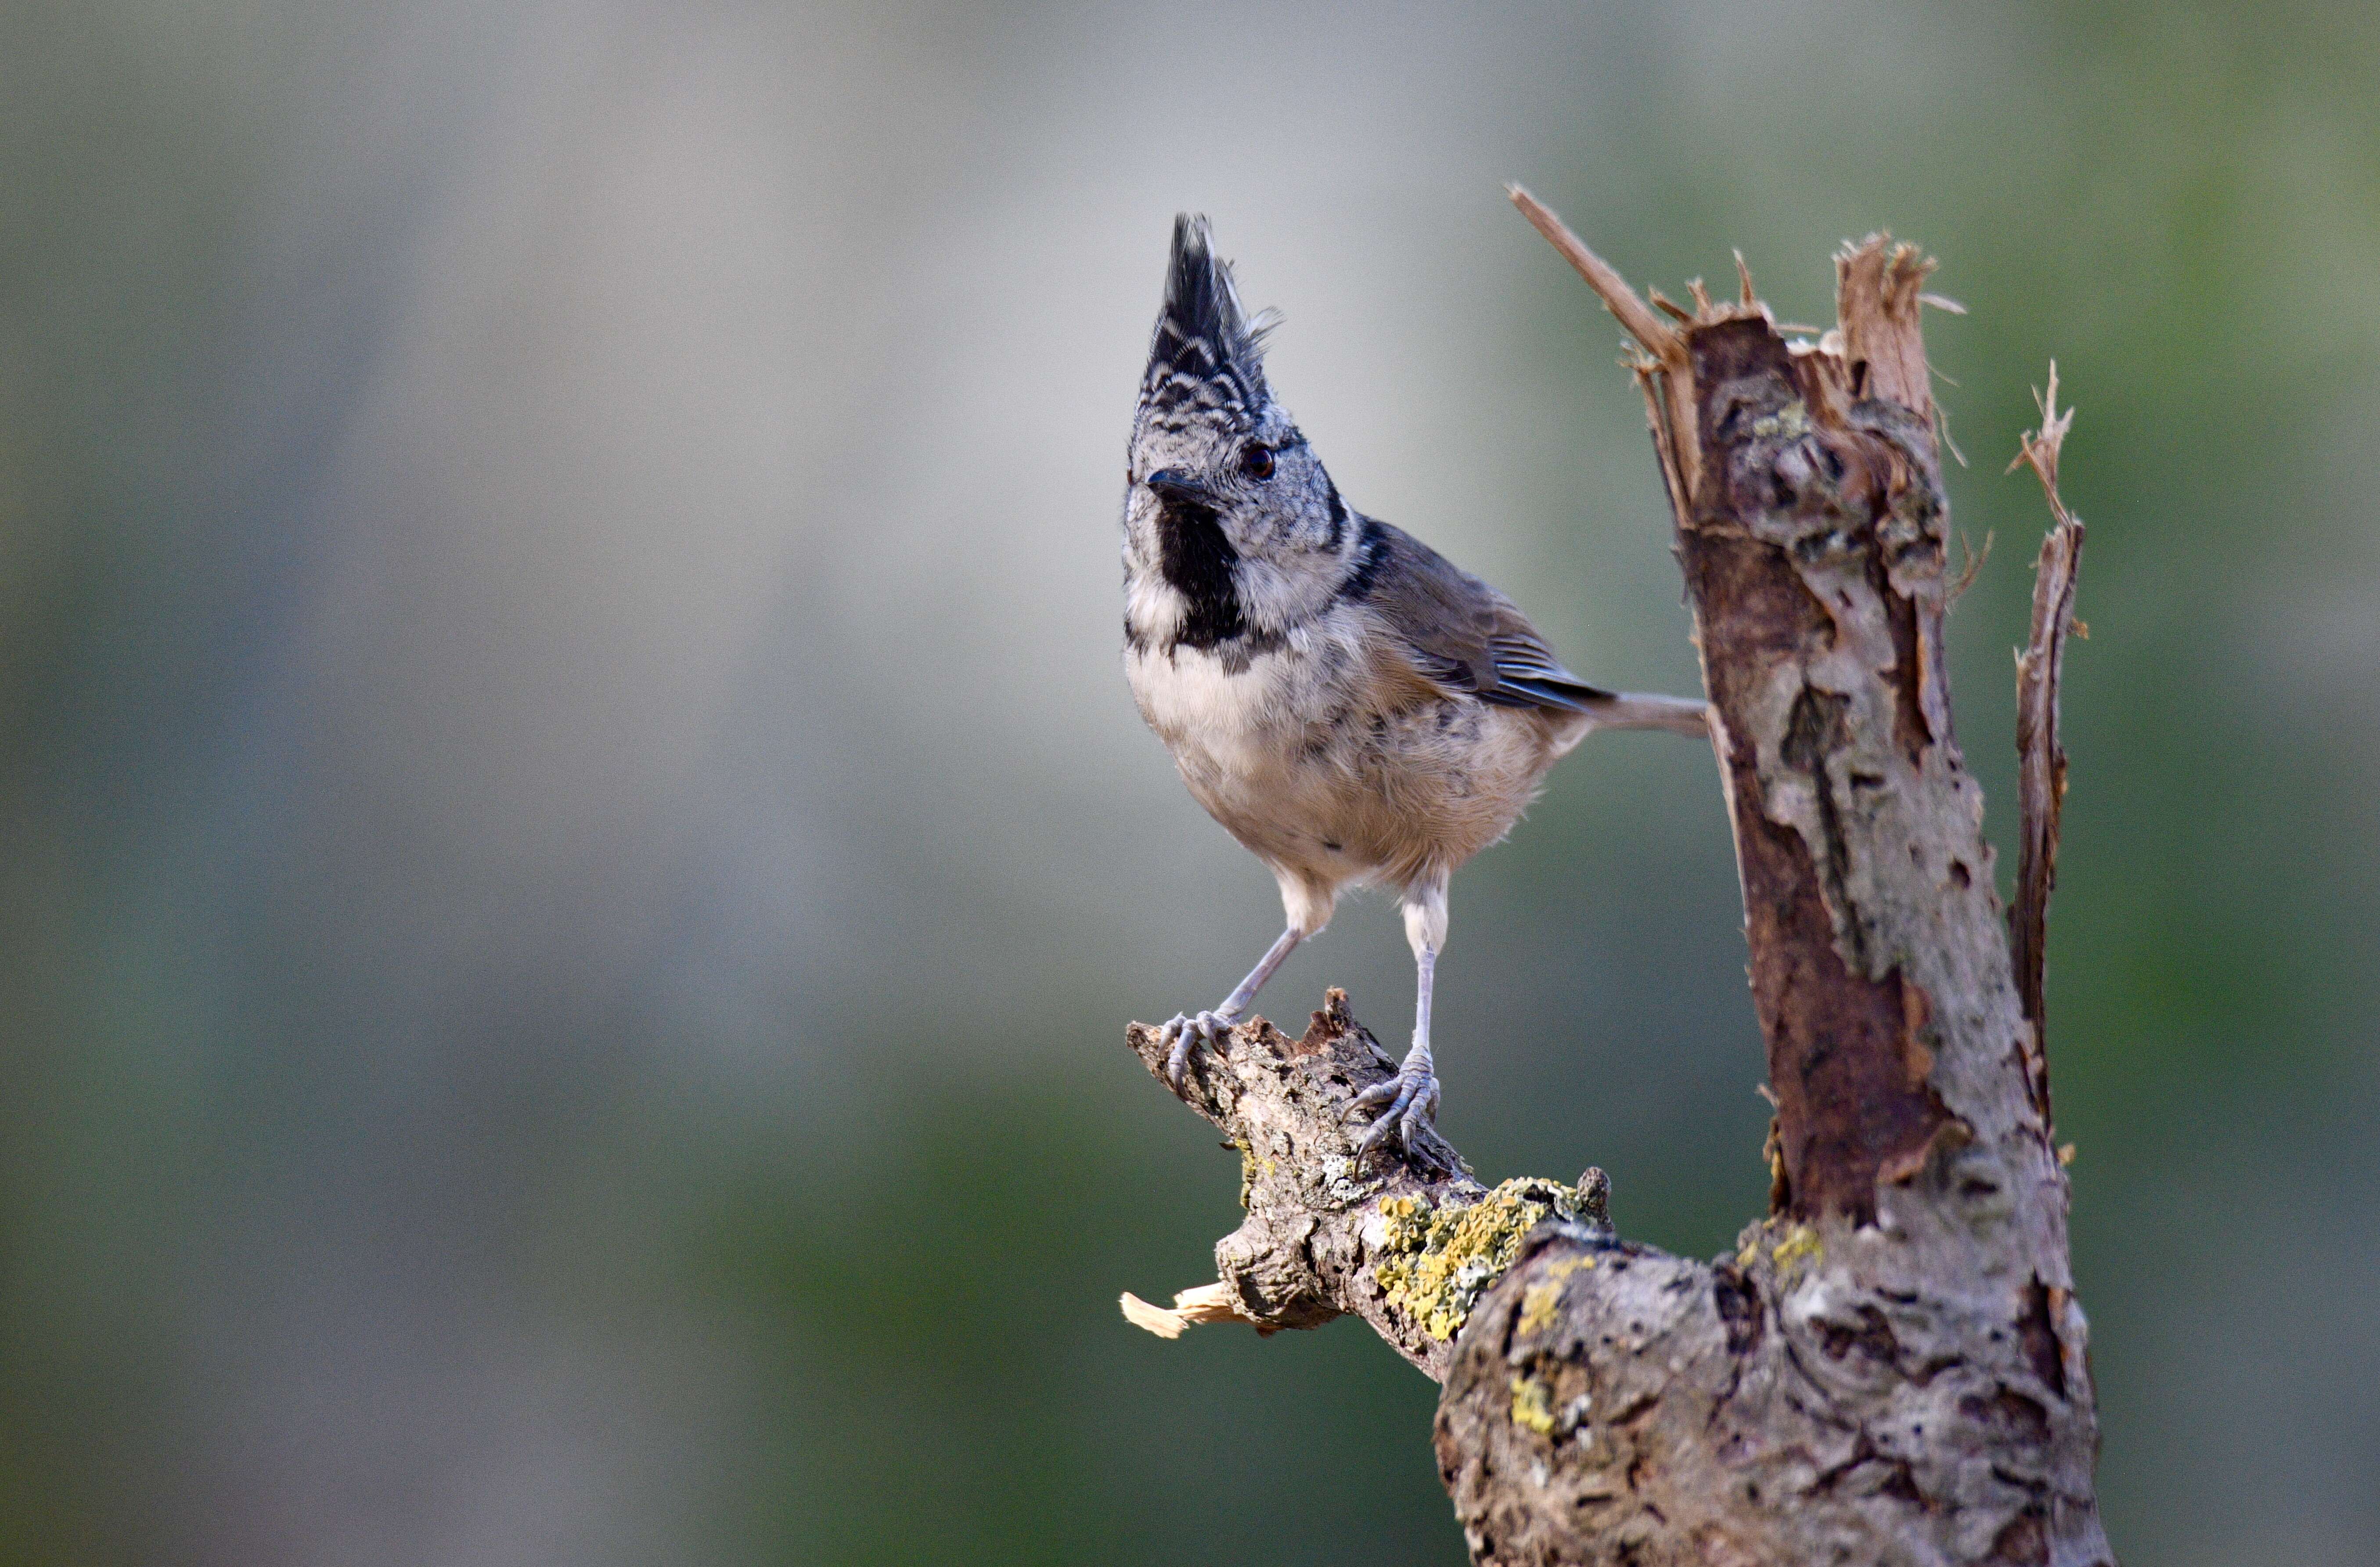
[[1225, 708], [1320, 758]]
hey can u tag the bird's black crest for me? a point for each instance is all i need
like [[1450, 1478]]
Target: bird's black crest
[[1206, 355]]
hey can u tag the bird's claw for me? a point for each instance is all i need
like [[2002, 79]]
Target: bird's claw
[[1408, 1106], [1179, 1034]]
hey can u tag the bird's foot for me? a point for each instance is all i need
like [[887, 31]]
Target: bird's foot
[[1182, 1035], [1408, 1105]]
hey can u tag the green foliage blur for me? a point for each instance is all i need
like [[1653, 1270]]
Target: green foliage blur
[[577, 856]]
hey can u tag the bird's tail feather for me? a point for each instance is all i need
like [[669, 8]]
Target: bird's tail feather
[[1631, 710]]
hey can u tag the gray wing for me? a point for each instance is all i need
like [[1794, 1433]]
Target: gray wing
[[1464, 634]]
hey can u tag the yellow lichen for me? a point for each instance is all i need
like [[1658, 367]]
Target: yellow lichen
[[1800, 1242], [1533, 1405], [1439, 1262], [1541, 1302], [1793, 419]]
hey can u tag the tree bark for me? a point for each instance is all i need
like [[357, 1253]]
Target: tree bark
[[1892, 1366]]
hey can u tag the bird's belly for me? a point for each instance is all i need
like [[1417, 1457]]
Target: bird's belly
[[1314, 779], [1234, 734], [1424, 788]]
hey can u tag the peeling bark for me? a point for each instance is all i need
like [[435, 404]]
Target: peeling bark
[[1892, 1367]]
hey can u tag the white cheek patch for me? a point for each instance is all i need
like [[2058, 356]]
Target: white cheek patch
[[1154, 608], [1268, 596], [1289, 590]]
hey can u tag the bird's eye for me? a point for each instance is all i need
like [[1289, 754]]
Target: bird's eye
[[1256, 460]]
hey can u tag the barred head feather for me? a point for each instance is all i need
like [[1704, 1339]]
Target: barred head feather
[[1205, 357]]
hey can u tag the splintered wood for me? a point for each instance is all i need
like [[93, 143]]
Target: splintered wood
[[1204, 1303], [2041, 753]]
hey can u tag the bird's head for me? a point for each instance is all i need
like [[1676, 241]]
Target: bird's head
[[1223, 497]]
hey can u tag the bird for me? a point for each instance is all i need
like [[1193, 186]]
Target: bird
[[1352, 708]]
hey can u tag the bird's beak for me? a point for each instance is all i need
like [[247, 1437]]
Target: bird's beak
[[1173, 484]]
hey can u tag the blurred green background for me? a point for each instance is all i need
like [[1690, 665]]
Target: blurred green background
[[577, 853]]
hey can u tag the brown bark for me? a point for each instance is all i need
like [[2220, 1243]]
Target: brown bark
[[1892, 1367]]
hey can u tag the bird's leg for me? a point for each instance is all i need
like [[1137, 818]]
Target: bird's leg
[[1183, 1029], [1408, 1102], [1410, 1097]]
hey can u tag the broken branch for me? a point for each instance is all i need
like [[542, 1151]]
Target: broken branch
[[1658, 338], [2040, 750]]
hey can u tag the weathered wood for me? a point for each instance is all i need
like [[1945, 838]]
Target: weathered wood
[[1408, 1243], [2040, 750]]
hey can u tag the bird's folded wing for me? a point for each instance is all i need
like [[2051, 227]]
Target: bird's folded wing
[[1462, 634]]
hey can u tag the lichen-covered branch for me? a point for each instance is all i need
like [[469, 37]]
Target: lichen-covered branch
[[1408, 1245]]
